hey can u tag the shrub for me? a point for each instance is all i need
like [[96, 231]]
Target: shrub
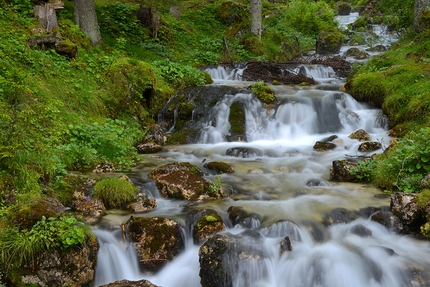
[[114, 192]]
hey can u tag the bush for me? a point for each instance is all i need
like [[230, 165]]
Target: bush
[[114, 192], [404, 167]]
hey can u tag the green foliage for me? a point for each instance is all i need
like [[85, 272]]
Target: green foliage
[[85, 145], [404, 167], [369, 88], [19, 247], [215, 187], [364, 171], [114, 192], [263, 92], [179, 75]]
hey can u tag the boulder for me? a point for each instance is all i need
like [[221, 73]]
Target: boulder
[[142, 205], [58, 268], [104, 167], [357, 54], [204, 224], [405, 207], [147, 148], [219, 167], [360, 135], [157, 241], [425, 182], [341, 171], [91, 209], [238, 216], [183, 184], [343, 8], [339, 216], [244, 152], [176, 166], [127, 283], [329, 43], [369, 146], [377, 48], [324, 146]]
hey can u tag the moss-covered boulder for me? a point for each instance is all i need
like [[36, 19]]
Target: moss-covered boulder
[[263, 92], [324, 146], [204, 224], [343, 8], [26, 214], [357, 54], [157, 241], [369, 146], [172, 167], [219, 167], [329, 43]]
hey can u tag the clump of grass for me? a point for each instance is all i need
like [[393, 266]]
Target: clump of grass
[[114, 192]]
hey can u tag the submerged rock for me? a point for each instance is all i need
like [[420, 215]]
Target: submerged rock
[[127, 283], [157, 241], [239, 216], [244, 152], [340, 215]]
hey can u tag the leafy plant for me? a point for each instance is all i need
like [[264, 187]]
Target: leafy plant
[[114, 192], [364, 171], [215, 186]]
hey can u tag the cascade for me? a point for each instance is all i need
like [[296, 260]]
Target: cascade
[[285, 182]]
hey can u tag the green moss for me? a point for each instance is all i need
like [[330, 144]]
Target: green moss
[[263, 92], [209, 219], [114, 192], [369, 88], [237, 118]]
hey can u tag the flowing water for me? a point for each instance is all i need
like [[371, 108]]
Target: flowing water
[[284, 181]]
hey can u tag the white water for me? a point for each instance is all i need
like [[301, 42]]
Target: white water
[[273, 183]]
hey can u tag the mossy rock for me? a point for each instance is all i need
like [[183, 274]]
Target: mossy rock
[[182, 184], [175, 166], [26, 214], [343, 8], [206, 226], [324, 146], [237, 119], [263, 92], [368, 88], [329, 43], [219, 167], [115, 192]]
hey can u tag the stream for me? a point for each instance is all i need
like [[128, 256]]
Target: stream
[[286, 183]]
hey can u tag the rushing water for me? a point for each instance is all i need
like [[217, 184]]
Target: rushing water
[[286, 183]]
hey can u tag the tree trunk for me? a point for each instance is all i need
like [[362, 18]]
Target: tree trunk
[[256, 17], [86, 18], [420, 23]]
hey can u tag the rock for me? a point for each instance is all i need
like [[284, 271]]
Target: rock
[[221, 255], [361, 230], [387, 219], [344, 8], [58, 268], [317, 182], [182, 184], [339, 216], [340, 171], [176, 166], [155, 134], [286, 245], [406, 208], [127, 283], [238, 216], [377, 48], [104, 167], [329, 43], [425, 182], [369, 146], [26, 214], [244, 152], [157, 241], [91, 209], [63, 47], [142, 205], [360, 135], [357, 54], [219, 167], [204, 224], [147, 148], [324, 146]]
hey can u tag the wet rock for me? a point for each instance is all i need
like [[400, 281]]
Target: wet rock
[[286, 245], [143, 205], [147, 148], [244, 152], [388, 219], [357, 54], [339, 216], [360, 135], [369, 146], [324, 146], [58, 268], [406, 208], [238, 216], [377, 48], [317, 182], [157, 241], [127, 283], [219, 167], [204, 224], [361, 230], [176, 166], [330, 138], [340, 171], [221, 255], [183, 184]]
